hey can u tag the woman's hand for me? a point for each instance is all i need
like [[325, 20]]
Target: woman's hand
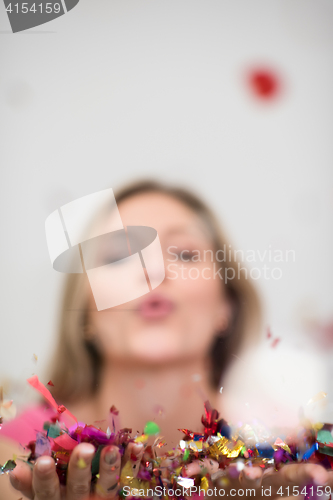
[[288, 481], [42, 483]]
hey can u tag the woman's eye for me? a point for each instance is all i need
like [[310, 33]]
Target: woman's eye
[[186, 256]]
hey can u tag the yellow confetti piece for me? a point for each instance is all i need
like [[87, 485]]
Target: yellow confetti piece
[[204, 485], [281, 444], [226, 448], [195, 445], [320, 395], [35, 358], [217, 449], [318, 426], [7, 404], [136, 486], [81, 463], [224, 481], [235, 451], [126, 473], [99, 488], [141, 439], [7, 410]]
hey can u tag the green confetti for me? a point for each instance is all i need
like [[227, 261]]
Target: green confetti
[[324, 437], [95, 460], [151, 428], [243, 450], [46, 426], [8, 466], [53, 431], [186, 454], [326, 450], [122, 493]]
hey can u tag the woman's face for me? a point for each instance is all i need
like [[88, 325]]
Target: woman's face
[[179, 318]]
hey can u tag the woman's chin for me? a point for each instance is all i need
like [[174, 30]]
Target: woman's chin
[[155, 347]]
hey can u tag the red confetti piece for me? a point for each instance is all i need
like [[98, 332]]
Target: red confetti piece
[[114, 410], [209, 419], [66, 442], [275, 340], [264, 83], [50, 383]]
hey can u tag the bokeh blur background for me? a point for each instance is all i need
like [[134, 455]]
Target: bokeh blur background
[[231, 98]]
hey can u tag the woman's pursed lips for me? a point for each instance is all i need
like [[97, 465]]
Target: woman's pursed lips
[[155, 306]]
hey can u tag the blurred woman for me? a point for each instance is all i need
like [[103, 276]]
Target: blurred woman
[[150, 356], [157, 357]]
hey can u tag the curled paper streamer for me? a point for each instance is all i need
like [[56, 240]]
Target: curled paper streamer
[[36, 384]]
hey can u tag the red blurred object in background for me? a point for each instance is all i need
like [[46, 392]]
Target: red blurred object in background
[[322, 332], [264, 83]]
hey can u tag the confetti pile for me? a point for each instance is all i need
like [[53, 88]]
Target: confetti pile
[[243, 445]]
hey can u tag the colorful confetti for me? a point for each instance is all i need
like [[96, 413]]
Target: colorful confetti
[[218, 443]]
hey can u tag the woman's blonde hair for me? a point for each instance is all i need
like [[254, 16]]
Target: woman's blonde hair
[[77, 361]]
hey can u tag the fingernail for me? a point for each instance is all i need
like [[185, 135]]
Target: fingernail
[[319, 480], [15, 482], [249, 473], [87, 452], [137, 448], [44, 464], [111, 456]]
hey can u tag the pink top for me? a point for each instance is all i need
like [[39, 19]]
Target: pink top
[[24, 427]]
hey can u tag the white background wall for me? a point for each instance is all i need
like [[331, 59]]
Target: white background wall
[[116, 89]]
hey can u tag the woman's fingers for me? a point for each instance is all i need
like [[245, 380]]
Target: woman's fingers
[[45, 482], [21, 479], [79, 472], [250, 477], [302, 473], [112, 468], [132, 458], [109, 473], [330, 479], [198, 466], [297, 474]]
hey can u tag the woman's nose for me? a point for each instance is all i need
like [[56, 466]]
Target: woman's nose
[[154, 265], [145, 243]]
